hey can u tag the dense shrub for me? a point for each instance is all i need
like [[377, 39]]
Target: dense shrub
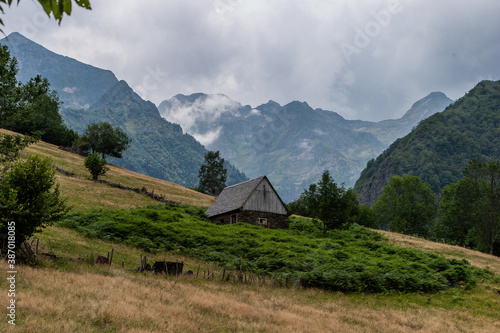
[[352, 260]]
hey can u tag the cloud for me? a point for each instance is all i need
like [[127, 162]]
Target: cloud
[[254, 51], [69, 90], [207, 137], [207, 109]]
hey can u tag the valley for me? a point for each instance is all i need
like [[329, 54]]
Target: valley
[[112, 298], [243, 277], [291, 144]]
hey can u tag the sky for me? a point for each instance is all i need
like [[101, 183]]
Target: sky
[[365, 59]]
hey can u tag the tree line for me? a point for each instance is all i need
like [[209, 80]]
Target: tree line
[[466, 213]]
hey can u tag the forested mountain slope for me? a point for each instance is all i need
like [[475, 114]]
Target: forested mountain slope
[[439, 148]]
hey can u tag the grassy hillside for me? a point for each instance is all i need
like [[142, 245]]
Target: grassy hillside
[[83, 194], [69, 294]]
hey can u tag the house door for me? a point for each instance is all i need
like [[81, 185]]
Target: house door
[[233, 218]]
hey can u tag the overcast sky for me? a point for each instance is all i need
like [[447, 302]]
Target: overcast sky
[[366, 59]]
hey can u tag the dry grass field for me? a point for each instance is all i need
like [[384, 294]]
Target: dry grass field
[[478, 259], [71, 295], [84, 194]]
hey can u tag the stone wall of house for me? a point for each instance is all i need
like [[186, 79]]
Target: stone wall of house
[[263, 219]]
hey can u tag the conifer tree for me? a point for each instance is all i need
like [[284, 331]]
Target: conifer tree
[[212, 174]]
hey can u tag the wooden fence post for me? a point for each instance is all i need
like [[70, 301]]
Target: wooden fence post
[[219, 273], [111, 258], [297, 284]]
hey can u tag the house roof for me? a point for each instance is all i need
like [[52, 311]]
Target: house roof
[[233, 197]]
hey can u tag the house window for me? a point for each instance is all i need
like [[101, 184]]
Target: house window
[[263, 222], [233, 219]]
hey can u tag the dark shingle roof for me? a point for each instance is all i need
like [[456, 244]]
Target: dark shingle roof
[[233, 197]]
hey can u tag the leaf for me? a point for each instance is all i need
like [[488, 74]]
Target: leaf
[[46, 6], [66, 6], [56, 10], [83, 3]]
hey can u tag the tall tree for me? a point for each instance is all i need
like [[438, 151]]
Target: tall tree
[[105, 139], [333, 205], [456, 217], [406, 205], [470, 208], [212, 174], [31, 107], [329, 203], [485, 195]]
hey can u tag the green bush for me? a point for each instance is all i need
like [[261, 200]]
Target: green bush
[[96, 165], [352, 260]]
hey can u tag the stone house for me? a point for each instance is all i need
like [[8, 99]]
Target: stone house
[[254, 201]]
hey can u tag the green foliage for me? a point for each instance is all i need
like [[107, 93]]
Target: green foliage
[[455, 218], [27, 198], [96, 165], [365, 217], [10, 146], [406, 205], [333, 205], [212, 174], [439, 148], [105, 139], [26, 195], [31, 107], [470, 208], [56, 8], [349, 260]]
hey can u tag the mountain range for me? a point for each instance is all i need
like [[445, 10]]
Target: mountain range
[[291, 144], [159, 148]]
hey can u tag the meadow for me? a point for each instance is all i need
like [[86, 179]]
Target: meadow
[[66, 292], [352, 260]]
